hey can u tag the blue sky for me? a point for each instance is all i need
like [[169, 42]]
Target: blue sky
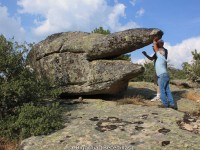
[[34, 20]]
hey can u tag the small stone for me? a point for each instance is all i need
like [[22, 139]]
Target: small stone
[[195, 126], [164, 143], [188, 127], [192, 119], [80, 99]]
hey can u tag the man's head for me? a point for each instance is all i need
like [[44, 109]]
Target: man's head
[[160, 43], [158, 36]]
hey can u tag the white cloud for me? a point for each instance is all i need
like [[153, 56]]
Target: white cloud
[[10, 26], [181, 52], [140, 13], [113, 19], [141, 61], [133, 2], [76, 15]]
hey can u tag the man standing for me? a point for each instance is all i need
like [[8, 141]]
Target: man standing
[[163, 76], [154, 58]]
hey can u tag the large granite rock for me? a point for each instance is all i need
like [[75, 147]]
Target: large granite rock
[[82, 63]]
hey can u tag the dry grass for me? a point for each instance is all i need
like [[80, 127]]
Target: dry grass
[[196, 113], [136, 100], [7, 145], [191, 95]]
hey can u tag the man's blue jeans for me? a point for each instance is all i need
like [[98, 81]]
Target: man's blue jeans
[[165, 93]]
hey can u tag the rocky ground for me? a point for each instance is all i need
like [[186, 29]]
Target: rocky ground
[[129, 122]]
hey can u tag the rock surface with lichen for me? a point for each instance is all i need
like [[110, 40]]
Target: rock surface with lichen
[[106, 124], [81, 63]]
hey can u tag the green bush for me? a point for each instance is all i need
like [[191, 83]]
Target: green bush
[[7, 127], [23, 89], [21, 93], [193, 70], [31, 120], [18, 83], [148, 75], [176, 73], [101, 30]]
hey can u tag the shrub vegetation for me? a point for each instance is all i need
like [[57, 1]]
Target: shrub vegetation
[[21, 95], [192, 70]]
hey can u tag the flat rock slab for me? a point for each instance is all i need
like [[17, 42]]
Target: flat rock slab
[[101, 124]]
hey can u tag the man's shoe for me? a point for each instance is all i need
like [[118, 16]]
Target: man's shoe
[[173, 107], [155, 99]]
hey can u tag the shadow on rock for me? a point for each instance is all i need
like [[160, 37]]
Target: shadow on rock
[[146, 93], [178, 94]]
